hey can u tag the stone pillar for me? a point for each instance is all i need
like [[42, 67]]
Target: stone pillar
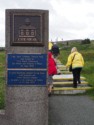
[[26, 65]]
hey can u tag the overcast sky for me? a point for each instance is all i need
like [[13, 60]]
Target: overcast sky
[[68, 19]]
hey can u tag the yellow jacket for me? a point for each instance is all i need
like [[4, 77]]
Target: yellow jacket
[[77, 62], [50, 45]]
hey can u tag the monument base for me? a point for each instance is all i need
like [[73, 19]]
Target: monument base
[[26, 105]]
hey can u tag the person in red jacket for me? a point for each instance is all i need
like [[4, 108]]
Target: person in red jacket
[[52, 70]]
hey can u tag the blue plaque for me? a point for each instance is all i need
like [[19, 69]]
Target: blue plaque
[[27, 61], [27, 77]]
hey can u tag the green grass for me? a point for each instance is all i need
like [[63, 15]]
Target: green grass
[[87, 51], [2, 92], [2, 79]]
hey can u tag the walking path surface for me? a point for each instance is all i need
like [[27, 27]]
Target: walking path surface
[[66, 108], [63, 82], [71, 110]]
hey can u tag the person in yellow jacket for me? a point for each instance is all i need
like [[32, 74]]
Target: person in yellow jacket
[[77, 61], [50, 44]]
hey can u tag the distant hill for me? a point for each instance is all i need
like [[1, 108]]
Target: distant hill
[[66, 41], [75, 40], [2, 48]]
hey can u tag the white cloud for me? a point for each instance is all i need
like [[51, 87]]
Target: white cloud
[[68, 19], [74, 18]]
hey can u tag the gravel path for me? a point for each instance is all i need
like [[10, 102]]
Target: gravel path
[[71, 110]]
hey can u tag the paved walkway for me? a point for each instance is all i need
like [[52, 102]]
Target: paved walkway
[[71, 110]]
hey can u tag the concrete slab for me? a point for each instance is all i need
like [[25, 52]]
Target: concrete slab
[[65, 92], [2, 112], [65, 77], [69, 90], [68, 82]]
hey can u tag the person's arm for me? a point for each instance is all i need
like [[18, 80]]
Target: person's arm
[[82, 61], [69, 61]]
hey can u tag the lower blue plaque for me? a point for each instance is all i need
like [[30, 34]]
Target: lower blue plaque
[[27, 77]]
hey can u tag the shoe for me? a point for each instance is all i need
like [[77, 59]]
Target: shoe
[[52, 87], [74, 86], [79, 83], [49, 94]]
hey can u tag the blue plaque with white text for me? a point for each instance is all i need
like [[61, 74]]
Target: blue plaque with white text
[[26, 77], [27, 61]]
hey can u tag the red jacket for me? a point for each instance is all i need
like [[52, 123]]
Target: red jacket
[[52, 70]]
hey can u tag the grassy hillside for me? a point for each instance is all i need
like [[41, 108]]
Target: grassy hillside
[[87, 50], [2, 78]]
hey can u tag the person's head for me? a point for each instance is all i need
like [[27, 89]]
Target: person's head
[[74, 49]]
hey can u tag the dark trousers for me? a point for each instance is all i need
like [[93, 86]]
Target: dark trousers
[[76, 76]]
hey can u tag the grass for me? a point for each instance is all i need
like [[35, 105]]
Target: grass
[[2, 92], [87, 51], [2, 79]]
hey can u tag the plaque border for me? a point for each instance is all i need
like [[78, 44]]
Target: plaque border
[[14, 43]]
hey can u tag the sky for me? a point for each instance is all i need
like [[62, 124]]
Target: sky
[[68, 19]]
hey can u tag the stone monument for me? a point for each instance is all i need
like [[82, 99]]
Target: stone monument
[[26, 67]]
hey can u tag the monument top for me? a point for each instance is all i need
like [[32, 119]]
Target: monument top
[[28, 27]]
